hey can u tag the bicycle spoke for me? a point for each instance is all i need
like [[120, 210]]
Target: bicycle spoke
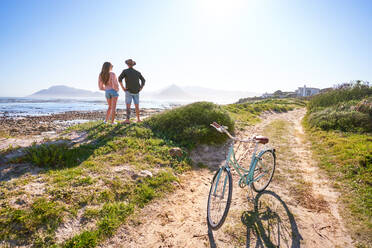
[[263, 171], [218, 200]]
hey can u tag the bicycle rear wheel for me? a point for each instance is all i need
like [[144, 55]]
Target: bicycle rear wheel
[[264, 170], [219, 198]]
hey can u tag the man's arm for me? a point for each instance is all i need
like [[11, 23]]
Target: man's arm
[[122, 86], [122, 75], [142, 80]]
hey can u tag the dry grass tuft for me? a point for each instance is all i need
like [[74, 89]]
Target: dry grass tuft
[[304, 196]]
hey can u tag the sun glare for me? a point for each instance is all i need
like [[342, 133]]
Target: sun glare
[[220, 8]]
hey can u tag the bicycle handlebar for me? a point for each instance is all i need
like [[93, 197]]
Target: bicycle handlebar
[[223, 129]]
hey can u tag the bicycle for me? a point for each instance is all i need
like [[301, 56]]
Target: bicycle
[[261, 171]]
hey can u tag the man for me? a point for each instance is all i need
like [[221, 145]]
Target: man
[[132, 87]]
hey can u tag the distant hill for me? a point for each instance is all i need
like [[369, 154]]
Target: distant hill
[[65, 91], [197, 93], [215, 94], [173, 92]]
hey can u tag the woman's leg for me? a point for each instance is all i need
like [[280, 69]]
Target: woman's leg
[[108, 113], [113, 108]]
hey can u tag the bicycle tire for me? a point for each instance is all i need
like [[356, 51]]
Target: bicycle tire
[[217, 224], [262, 154]]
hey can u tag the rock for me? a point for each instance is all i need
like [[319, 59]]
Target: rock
[[175, 152], [20, 201], [145, 173]]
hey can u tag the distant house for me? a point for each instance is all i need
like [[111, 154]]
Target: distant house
[[304, 91], [267, 95]]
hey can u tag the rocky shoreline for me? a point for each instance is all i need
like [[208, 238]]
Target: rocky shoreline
[[16, 126]]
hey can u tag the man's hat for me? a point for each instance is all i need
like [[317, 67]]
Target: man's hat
[[130, 62]]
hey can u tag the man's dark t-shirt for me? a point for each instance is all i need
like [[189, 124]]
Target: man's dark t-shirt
[[132, 78]]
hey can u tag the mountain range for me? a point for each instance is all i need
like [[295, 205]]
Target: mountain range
[[170, 93], [197, 93], [62, 91]]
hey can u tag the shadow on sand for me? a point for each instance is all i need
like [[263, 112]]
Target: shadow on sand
[[269, 224]]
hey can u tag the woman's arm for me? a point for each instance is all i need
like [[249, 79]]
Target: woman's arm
[[115, 84], [101, 86]]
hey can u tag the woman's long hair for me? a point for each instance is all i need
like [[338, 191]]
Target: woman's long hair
[[105, 73]]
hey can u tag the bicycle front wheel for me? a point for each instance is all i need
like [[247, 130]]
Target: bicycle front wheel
[[219, 198], [264, 170]]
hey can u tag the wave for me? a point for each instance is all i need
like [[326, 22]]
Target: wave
[[21, 106]]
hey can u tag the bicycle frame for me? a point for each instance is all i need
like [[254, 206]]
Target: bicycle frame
[[231, 159], [243, 173]]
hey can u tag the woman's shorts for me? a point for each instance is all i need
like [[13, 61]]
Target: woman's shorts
[[111, 93], [129, 96]]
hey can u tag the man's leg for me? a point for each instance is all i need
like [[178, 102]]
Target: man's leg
[[137, 112], [128, 101], [128, 114], [136, 104]]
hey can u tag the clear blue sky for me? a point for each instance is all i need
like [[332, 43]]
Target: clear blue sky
[[256, 45]]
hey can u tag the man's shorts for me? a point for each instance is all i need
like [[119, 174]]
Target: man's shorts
[[129, 96], [111, 93]]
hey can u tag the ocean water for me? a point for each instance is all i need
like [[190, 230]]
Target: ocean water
[[15, 106]]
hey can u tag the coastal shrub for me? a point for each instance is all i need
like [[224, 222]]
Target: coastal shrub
[[353, 115], [346, 121], [190, 125], [335, 96], [56, 155], [365, 106]]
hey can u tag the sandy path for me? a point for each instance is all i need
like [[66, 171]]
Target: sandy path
[[179, 220]]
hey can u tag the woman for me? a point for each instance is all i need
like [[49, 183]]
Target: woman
[[108, 82]]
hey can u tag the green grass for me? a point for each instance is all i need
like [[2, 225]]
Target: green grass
[[248, 113], [112, 215], [18, 224], [339, 125], [347, 157], [96, 179], [84, 175]]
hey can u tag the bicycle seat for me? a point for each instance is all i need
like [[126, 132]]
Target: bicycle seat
[[261, 139]]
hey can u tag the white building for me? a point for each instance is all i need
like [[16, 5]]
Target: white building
[[304, 91]]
